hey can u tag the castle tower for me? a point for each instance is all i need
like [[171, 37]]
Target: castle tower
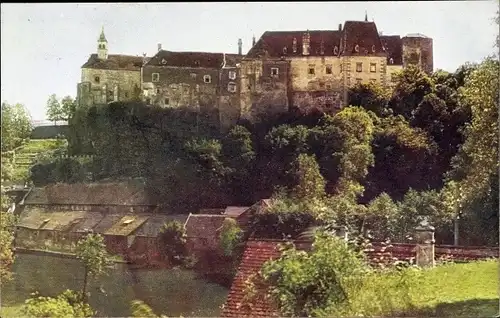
[[417, 50], [102, 46]]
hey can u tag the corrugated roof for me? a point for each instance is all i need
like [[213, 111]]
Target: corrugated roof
[[115, 62], [152, 227], [126, 225], [203, 225], [110, 193]]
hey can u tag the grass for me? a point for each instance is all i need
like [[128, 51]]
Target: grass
[[39, 145], [450, 290], [11, 311]]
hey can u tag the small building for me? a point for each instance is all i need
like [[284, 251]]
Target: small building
[[202, 232], [106, 197], [120, 236]]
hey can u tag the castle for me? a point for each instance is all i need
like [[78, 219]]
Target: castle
[[283, 69]]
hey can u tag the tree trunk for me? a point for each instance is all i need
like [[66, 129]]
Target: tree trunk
[[84, 291]]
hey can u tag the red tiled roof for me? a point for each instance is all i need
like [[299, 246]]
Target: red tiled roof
[[274, 43], [394, 48], [365, 35], [115, 62], [255, 255], [193, 59]]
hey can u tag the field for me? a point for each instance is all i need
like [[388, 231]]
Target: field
[[450, 290]]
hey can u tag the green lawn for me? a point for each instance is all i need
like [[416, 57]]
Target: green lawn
[[39, 145], [11, 311], [451, 290]]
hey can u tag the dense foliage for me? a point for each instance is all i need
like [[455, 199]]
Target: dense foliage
[[173, 242], [230, 236], [16, 126], [422, 137], [66, 305]]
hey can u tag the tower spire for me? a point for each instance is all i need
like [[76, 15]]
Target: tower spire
[[102, 46], [366, 16], [102, 37]]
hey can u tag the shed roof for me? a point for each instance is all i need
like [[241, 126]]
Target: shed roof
[[235, 211], [203, 225], [130, 193], [152, 227], [40, 219], [126, 225]]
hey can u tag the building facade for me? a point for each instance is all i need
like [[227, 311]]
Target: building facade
[[283, 70]]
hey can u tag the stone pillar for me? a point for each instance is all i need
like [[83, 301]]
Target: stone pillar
[[424, 235]]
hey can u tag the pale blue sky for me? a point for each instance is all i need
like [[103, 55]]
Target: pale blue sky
[[44, 45]]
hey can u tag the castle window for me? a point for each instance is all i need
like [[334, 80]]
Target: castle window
[[311, 71], [335, 50], [294, 45], [163, 61], [359, 67], [231, 87], [167, 101], [155, 77], [373, 48], [356, 48], [232, 75], [391, 61], [274, 71], [373, 67], [207, 79], [97, 79], [284, 50], [328, 69]]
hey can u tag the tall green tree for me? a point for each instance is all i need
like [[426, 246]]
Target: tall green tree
[[16, 125], [91, 251], [68, 108], [53, 109]]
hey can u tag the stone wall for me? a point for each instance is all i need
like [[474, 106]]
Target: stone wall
[[105, 86], [418, 51], [229, 97]]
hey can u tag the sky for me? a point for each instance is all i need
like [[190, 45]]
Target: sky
[[44, 45]]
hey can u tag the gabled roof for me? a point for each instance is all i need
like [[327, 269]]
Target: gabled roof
[[126, 225], [193, 59], [394, 47], [109, 193], [365, 35], [255, 255], [115, 62], [203, 225], [153, 226], [235, 211], [280, 43]]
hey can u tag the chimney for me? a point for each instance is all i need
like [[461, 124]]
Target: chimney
[[240, 47], [253, 41], [340, 26], [159, 47], [306, 38]]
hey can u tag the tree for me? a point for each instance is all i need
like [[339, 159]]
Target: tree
[[371, 97], [305, 284], [68, 108], [138, 308], [91, 250], [173, 241], [66, 305], [230, 236], [54, 110], [310, 184], [16, 125]]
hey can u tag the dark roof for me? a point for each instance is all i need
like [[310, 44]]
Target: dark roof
[[365, 35], [235, 211], [203, 225], [107, 222], [115, 62], [154, 224], [274, 43], [394, 47], [193, 59], [255, 255], [34, 218], [90, 221], [110, 193]]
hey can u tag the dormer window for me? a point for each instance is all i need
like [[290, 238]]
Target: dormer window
[[232, 75], [163, 61], [274, 71], [335, 50], [373, 48], [285, 50], [356, 48], [322, 48], [391, 61], [294, 45]]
